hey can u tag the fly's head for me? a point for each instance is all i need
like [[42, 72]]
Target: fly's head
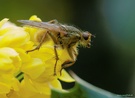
[[85, 39]]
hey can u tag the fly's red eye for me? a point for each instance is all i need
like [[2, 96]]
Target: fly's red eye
[[85, 35]]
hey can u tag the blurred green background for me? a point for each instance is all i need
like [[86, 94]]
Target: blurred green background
[[110, 62]]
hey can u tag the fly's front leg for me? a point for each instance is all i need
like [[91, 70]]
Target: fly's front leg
[[40, 44]]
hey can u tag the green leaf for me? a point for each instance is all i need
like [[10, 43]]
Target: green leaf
[[83, 89]]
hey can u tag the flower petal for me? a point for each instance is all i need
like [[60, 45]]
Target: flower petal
[[66, 77], [35, 18], [2, 22], [34, 68], [10, 60], [13, 37], [56, 84]]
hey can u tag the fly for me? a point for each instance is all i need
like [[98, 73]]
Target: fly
[[68, 37]]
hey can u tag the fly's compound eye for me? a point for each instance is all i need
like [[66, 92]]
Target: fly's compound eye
[[86, 35]]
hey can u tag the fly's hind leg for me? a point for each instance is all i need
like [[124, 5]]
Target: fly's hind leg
[[40, 44], [66, 64], [73, 54]]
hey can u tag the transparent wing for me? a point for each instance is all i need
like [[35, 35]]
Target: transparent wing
[[45, 25], [38, 24]]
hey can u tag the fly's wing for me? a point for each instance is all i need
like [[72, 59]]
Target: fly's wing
[[45, 25]]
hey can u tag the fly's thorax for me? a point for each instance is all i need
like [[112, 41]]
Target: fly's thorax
[[70, 29], [72, 40]]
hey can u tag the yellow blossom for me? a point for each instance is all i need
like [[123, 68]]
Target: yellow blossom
[[37, 66], [11, 35], [9, 65]]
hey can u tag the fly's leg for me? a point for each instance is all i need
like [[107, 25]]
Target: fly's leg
[[54, 21], [55, 46], [40, 44], [57, 23], [55, 52], [73, 54], [57, 58], [66, 64]]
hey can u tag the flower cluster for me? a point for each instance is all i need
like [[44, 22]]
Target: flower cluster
[[28, 75]]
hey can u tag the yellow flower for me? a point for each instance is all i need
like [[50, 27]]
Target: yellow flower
[[38, 67], [9, 65], [11, 37], [9, 60]]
